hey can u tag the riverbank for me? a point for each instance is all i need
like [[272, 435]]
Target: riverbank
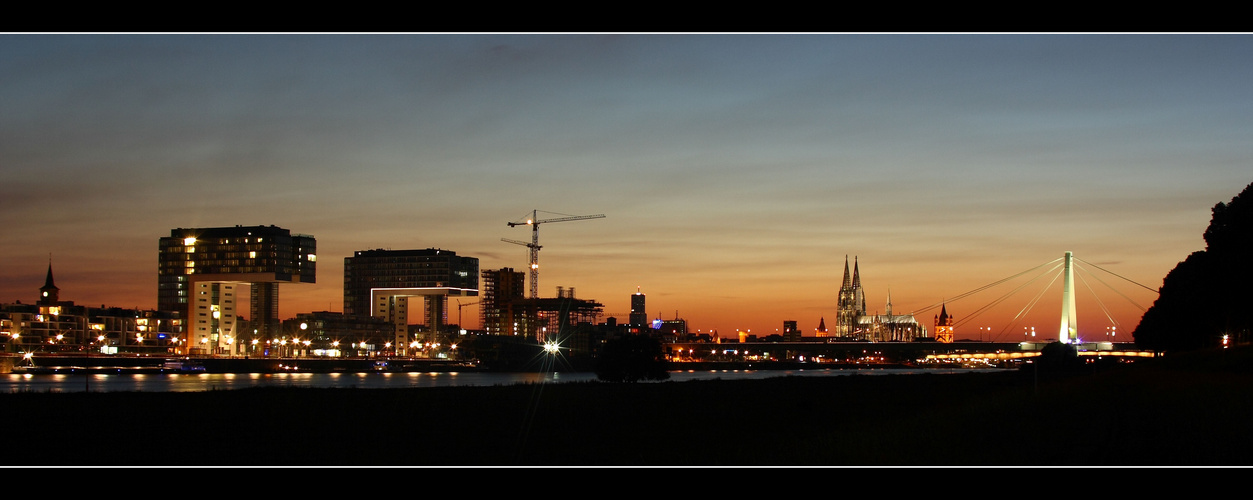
[[1180, 410], [68, 364]]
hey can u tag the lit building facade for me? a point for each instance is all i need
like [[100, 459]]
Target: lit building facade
[[851, 305], [853, 323], [200, 273], [55, 325], [943, 326], [379, 283], [333, 334]]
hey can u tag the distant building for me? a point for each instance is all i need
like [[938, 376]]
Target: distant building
[[639, 311], [853, 323], [333, 334], [790, 332], [943, 326], [851, 305], [890, 327], [501, 289], [379, 283], [548, 319], [199, 270], [672, 329], [54, 325]]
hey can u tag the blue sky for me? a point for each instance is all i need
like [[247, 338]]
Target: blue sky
[[735, 171]]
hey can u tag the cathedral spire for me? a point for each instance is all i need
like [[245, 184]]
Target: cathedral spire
[[847, 281], [856, 274], [889, 308]]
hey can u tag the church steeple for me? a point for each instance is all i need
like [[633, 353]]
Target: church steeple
[[49, 294], [944, 325], [856, 274], [848, 282]]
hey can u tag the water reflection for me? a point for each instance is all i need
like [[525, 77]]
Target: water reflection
[[171, 382]]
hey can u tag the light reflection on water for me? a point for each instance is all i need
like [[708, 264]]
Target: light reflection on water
[[173, 382]]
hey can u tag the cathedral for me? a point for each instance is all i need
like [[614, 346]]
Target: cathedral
[[853, 323]]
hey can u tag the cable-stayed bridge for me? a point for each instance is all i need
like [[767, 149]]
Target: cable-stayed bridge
[[1068, 330], [1002, 345]]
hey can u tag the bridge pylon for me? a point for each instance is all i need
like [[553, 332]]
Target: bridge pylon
[[1068, 333]]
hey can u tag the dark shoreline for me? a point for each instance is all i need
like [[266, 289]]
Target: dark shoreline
[[1181, 410]]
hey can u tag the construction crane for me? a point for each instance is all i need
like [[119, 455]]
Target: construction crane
[[459, 306], [534, 245]]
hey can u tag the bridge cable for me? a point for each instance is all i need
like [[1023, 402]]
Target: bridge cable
[[1115, 290], [1116, 274], [1030, 305], [980, 289], [1002, 298], [1099, 302]]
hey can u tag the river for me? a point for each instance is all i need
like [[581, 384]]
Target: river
[[108, 382]]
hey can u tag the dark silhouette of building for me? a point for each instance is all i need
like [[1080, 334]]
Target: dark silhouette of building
[[49, 294], [639, 311], [502, 288], [790, 332]]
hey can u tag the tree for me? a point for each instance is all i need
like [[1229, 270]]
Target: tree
[[631, 358], [1207, 295]]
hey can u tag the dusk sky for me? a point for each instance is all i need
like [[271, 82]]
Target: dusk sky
[[735, 171]]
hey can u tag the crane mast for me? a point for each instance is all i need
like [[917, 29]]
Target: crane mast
[[534, 245]]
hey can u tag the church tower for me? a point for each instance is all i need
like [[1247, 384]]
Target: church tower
[[852, 302], [49, 294], [944, 326]]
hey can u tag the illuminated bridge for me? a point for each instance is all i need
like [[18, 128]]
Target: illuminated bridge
[[829, 349], [882, 352]]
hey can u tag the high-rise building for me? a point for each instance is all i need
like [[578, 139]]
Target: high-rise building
[[379, 283], [499, 307], [198, 272], [639, 312]]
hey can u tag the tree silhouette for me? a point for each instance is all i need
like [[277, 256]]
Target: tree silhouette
[[631, 358], [1207, 295]]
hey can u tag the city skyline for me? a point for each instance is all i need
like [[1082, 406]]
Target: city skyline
[[735, 171]]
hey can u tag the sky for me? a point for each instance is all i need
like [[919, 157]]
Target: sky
[[735, 171]]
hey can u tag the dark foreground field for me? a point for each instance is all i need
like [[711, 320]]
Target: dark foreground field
[[1181, 410]]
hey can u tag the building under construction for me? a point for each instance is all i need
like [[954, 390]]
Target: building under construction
[[501, 288], [506, 311]]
